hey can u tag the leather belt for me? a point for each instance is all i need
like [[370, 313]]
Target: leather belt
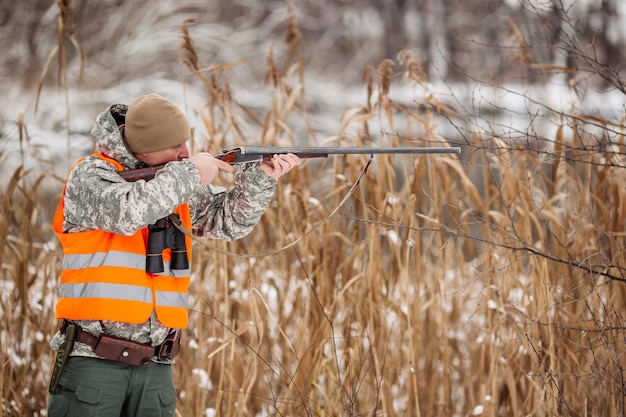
[[126, 351]]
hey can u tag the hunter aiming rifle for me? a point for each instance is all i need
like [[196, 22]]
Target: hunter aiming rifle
[[247, 154]]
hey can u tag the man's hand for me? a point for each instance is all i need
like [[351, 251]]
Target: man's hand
[[209, 167], [280, 165]]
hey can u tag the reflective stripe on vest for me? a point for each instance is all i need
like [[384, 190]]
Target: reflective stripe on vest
[[122, 292], [104, 276], [111, 258], [118, 259], [106, 290]]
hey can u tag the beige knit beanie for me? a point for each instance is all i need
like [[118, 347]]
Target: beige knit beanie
[[153, 123]]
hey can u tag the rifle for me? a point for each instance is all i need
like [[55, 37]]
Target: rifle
[[248, 154]]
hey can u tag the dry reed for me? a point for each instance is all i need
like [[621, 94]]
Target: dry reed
[[490, 285]]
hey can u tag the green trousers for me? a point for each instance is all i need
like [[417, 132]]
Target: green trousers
[[96, 387]]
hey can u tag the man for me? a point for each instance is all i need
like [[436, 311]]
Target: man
[[123, 291]]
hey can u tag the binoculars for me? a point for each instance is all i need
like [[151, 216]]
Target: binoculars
[[165, 235]]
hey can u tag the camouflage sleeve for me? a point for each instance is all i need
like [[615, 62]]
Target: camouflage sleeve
[[96, 197], [231, 214]]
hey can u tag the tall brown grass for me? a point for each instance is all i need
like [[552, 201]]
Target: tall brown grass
[[488, 285]]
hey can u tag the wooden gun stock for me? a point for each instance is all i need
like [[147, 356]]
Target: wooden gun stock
[[132, 175]]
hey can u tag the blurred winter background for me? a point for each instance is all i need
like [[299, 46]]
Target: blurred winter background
[[467, 50], [490, 285]]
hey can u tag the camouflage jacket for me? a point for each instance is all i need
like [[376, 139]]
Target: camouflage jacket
[[96, 197]]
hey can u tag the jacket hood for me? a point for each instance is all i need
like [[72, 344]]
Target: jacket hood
[[109, 140]]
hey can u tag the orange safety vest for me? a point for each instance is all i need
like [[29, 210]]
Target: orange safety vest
[[104, 275]]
